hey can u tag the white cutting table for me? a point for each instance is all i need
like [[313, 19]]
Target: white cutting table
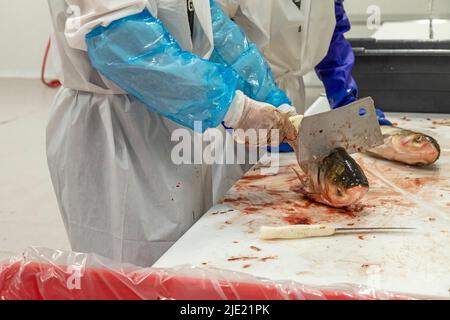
[[416, 263]]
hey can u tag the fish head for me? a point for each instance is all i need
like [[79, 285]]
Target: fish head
[[416, 148], [342, 180]]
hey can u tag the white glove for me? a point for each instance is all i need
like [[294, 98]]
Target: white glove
[[246, 114]]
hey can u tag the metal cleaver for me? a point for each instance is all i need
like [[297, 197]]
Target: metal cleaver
[[354, 127]]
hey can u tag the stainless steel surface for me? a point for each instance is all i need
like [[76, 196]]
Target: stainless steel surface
[[345, 127]]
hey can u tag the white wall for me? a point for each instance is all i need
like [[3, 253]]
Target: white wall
[[24, 30]]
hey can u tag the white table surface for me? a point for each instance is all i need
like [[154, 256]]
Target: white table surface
[[415, 263]]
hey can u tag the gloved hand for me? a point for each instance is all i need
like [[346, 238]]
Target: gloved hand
[[291, 112], [246, 114]]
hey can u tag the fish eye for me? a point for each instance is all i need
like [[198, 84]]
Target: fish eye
[[418, 139]]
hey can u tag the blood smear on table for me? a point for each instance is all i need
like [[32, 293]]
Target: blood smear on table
[[277, 199]]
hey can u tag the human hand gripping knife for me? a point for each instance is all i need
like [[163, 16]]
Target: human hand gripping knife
[[267, 122]]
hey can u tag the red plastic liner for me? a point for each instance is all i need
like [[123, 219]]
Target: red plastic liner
[[43, 274]]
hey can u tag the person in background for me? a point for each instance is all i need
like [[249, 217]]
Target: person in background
[[133, 72], [335, 70]]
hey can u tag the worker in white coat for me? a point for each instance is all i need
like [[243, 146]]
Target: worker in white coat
[[134, 71]]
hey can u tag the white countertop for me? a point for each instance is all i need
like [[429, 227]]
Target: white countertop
[[412, 263]]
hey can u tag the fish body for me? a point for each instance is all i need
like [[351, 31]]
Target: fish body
[[407, 147], [337, 180]]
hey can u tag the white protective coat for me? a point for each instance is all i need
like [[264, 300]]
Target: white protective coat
[[119, 192], [294, 41]]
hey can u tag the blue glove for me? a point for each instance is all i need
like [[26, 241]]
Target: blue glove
[[141, 57], [282, 148], [382, 118], [336, 68], [233, 49]]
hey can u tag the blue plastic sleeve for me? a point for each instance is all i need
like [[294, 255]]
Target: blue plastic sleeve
[[234, 49], [143, 59]]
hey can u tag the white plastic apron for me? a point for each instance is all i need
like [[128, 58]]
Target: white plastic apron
[[118, 191]]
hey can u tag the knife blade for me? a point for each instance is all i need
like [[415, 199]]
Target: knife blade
[[313, 231], [354, 127]]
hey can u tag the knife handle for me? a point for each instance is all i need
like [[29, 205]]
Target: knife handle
[[296, 122], [296, 232]]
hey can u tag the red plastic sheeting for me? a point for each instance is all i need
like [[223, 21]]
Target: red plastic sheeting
[[44, 274]]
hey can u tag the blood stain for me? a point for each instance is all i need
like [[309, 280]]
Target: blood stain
[[255, 248], [268, 205], [237, 200], [304, 205], [294, 220], [247, 266], [253, 178], [249, 258], [344, 211], [412, 184], [232, 259], [268, 258]]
